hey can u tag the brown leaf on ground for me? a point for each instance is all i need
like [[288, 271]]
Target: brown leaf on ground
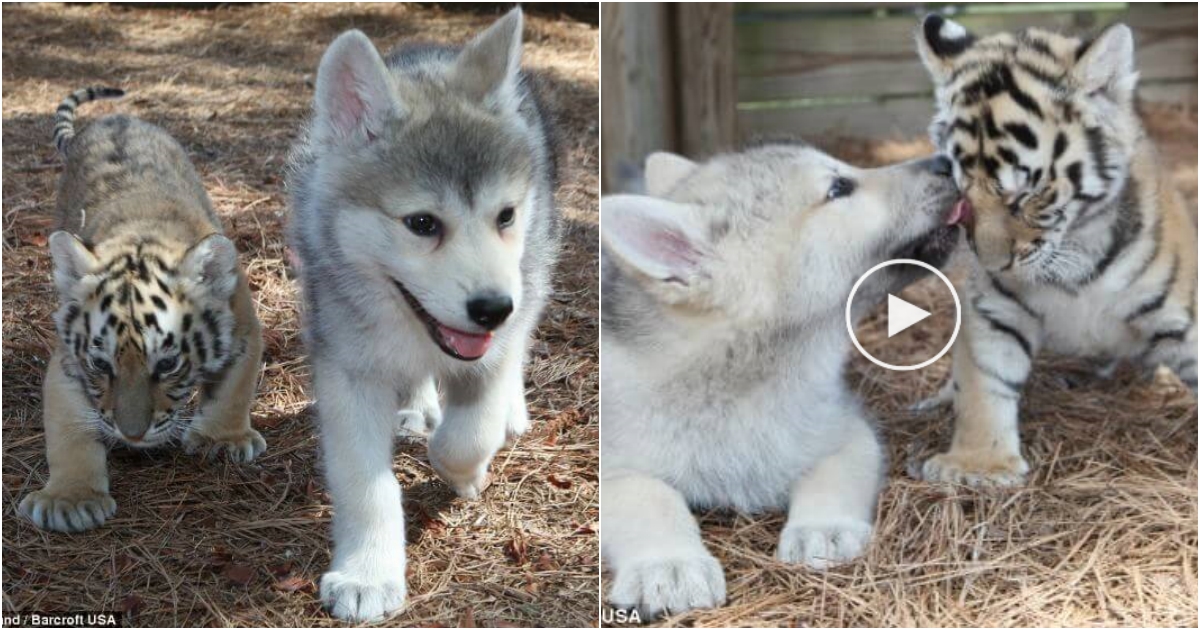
[[248, 63], [239, 574], [293, 584]]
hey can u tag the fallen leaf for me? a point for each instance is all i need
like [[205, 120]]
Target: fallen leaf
[[121, 563], [282, 569], [293, 584], [36, 239], [558, 481], [516, 551], [220, 556], [545, 563], [131, 604], [239, 574]]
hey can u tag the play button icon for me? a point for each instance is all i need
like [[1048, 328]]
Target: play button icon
[[901, 315]]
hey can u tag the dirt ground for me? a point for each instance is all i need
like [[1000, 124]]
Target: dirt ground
[[1104, 534], [217, 544]]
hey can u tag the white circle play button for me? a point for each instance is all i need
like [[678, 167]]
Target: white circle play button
[[902, 315]]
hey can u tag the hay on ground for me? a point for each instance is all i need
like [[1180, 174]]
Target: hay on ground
[[1104, 534], [215, 544]]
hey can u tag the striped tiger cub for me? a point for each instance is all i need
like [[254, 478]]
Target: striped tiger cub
[[153, 306], [1081, 245]]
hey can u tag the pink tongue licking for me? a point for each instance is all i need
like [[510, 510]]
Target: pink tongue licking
[[467, 345], [960, 213]]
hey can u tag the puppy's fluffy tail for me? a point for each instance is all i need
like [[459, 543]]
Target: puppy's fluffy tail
[[64, 118]]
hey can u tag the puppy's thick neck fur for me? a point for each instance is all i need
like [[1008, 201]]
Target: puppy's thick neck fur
[[680, 345]]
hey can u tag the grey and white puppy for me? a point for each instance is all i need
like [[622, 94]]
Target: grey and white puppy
[[723, 341], [425, 225]]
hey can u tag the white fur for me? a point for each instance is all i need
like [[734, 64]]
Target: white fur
[[376, 369], [952, 30], [729, 392], [664, 170]]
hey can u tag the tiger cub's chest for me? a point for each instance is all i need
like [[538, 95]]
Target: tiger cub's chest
[[1087, 324]]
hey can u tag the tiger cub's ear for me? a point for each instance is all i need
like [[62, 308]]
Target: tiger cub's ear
[[1106, 65], [210, 268], [939, 41], [72, 261]]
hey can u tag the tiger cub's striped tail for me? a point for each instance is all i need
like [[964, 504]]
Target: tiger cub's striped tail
[[64, 119]]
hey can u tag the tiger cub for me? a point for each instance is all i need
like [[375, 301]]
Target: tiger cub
[[1082, 246], [152, 305]]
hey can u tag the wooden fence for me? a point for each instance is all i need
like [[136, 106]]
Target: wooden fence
[[699, 78]]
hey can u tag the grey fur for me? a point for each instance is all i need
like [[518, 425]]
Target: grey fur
[[453, 133]]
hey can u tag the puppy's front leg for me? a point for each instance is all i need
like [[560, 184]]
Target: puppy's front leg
[[652, 544], [478, 411], [829, 519], [366, 579]]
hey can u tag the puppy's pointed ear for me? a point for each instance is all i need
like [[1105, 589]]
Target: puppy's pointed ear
[[72, 261], [355, 93], [1106, 64], [210, 267], [939, 41], [665, 170], [659, 240], [488, 68]]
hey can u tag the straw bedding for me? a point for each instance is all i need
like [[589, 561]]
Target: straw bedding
[[213, 543]]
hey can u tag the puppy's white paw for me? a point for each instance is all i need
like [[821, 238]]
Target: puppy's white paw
[[241, 447], [821, 545], [73, 510], [669, 585], [468, 486], [417, 423], [518, 423], [356, 598]]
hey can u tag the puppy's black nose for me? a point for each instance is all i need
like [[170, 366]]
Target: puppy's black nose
[[490, 311], [940, 165]]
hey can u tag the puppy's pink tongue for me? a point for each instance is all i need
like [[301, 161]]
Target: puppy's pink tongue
[[467, 345], [961, 212]]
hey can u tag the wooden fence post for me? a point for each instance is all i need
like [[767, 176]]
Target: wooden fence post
[[637, 86], [707, 95]]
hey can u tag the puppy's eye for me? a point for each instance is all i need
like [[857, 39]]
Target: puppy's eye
[[423, 224], [505, 218], [841, 187], [166, 365]]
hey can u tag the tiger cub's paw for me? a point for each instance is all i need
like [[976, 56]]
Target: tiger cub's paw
[[977, 469], [73, 510], [241, 446]]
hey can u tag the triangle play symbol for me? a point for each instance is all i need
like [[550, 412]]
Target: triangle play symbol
[[901, 315]]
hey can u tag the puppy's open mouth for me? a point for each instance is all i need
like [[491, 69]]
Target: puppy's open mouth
[[934, 247], [459, 344]]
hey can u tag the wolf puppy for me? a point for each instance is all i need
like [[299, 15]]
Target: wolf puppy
[[153, 305], [1083, 246], [425, 223], [723, 343]]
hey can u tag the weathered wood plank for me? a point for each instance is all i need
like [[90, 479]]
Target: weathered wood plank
[[1170, 59], [894, 118], [785, 46], [637, 104], [707, 97], [901, 118]]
